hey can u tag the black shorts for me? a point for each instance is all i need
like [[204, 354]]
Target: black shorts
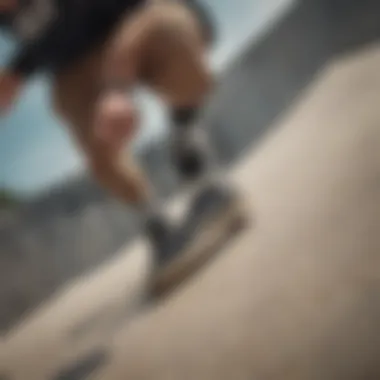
[[82, 27], [101, 23]]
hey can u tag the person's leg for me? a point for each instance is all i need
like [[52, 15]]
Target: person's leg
[[185, 80], [179, 71], [76, 98], [172, 44], [162, 46], [166, 47]]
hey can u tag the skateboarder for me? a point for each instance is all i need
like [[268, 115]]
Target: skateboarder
[[96, 52]]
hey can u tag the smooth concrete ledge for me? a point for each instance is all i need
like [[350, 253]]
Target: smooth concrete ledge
[[84, 314], [296, 297]]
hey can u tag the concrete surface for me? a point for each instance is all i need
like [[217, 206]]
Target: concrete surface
[[261, 84], [296, 297]]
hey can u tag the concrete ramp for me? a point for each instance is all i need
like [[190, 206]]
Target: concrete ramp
[[79, 319], [297, 296]]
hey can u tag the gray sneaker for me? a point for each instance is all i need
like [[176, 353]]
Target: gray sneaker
[[161, 236], [214, 215], [215, 206]]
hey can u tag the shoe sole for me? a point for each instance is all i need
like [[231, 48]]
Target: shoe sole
[[217, 231]]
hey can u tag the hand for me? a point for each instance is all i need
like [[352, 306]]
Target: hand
[[10, 85], [8, 5]]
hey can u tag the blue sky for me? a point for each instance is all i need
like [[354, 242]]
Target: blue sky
[[35, 150]]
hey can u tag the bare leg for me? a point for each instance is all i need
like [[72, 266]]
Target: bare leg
[[184, 79], [163, 46], [75, 97], [78, 103]]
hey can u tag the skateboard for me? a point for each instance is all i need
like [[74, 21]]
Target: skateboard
[[208, 236]]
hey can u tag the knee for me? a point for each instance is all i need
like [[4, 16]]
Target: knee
[[116, 120]]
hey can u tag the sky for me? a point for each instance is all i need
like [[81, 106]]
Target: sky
[[36, 151]]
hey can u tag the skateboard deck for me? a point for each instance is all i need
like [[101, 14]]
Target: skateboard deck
[[206, 244]]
